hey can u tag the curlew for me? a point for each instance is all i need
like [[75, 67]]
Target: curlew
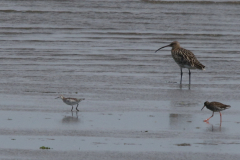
[[184, 58], [71, 101]]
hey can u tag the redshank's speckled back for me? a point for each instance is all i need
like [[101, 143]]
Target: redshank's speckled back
[[184, 58], [215, 107], [71, 101]]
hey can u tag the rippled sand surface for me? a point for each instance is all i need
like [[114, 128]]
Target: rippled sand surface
[[134, 106]]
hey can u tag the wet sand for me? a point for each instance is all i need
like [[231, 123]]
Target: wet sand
[[134, 106]]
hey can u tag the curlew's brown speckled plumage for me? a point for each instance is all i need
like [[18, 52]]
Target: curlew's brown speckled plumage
[[71, 101], [184, 58], [215, 107]]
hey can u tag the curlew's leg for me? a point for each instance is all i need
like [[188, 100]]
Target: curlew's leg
[[181, 75], [206, 120], [72, 108], [77, 108], [189, 76]]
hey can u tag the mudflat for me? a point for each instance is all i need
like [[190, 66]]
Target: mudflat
[[134, 106]]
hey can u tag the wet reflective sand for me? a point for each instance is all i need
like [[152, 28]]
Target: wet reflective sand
[[134, 106]]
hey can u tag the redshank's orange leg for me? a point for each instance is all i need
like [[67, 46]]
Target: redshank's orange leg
[[208, 118], [220, 116], [207, 122]]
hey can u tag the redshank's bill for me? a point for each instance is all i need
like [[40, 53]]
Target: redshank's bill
[[71, 101], [215, 107], [184, 58]]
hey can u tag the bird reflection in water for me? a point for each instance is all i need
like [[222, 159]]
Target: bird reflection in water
[[71, 119], [217, 128], [180, 86]]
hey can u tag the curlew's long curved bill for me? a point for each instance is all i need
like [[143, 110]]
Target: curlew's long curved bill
[[57, 97], [162, 47], [202, 107]]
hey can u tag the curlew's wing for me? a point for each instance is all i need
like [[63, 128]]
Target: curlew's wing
[[186, 57]]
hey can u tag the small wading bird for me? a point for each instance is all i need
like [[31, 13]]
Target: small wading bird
[[184, 58], [71, 101], [215, 107]]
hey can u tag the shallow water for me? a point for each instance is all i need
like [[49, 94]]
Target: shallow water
[[103, 51]]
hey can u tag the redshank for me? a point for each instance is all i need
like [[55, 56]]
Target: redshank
[[71, 101], [184, 58], [215, 107]]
